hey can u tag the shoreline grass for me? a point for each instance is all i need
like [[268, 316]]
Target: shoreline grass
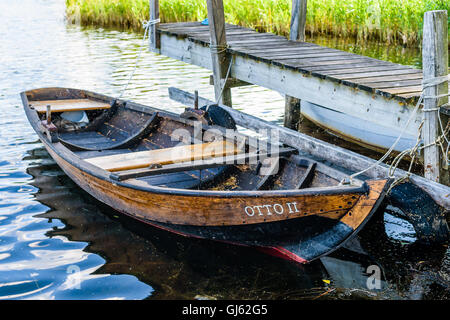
[[388, 21]]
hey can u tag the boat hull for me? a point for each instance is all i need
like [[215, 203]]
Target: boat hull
[[303, 239], [296, 224]]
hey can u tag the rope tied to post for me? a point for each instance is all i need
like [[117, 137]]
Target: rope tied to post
[[444, 132], [218, 48], [415, 150], [147, 23], [224, 81]]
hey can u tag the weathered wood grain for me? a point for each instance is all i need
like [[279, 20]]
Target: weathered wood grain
[[240, 158], [371, 71], [435, 64], [292, 109], [154, 37], [143, 159], [387, 76], [298, 20], [68, 105]]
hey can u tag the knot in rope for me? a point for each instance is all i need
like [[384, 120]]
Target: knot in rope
[[146, 24], [218, 48]]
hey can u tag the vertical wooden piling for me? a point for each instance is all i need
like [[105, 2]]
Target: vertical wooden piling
[[292, 110], [298, 20], [219, 56], [435, 64], [155, 43]]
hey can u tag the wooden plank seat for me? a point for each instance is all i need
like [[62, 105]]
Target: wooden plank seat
[[68, 105], [184, 153], [95, 141], [200, 164]]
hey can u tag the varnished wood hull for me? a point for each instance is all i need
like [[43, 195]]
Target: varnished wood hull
[[299, 225], [302, 239]]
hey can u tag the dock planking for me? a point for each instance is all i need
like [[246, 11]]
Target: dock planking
[[403, 83]]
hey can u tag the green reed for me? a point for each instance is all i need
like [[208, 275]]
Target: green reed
[[390, 21]]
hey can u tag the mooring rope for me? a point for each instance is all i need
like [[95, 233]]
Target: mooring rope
[[218, 48], [146, 24], [412, 152], [224, 82]]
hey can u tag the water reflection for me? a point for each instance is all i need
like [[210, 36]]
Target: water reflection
[[174, 266], [37, 265]]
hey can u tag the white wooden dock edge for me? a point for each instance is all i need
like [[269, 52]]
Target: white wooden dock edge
[[321, 149], [333, 95]]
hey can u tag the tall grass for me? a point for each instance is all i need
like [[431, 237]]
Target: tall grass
[[390, 21]]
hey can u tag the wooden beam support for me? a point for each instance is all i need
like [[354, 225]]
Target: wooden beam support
[[292, 109], [154, 37], [218, 44], [435, 64], [231, 82], [298, 20]]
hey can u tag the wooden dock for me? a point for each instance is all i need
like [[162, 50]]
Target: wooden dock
[[371, 89], [386, 79]]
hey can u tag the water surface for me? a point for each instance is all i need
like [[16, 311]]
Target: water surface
[[57, 242]]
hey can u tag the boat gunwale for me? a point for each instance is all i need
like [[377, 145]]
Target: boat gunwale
[[74, 160]]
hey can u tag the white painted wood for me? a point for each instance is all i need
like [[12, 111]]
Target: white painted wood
[[186, 51], [333, 95], [218, 43], [231, 82], [435, 64], [336, 155]]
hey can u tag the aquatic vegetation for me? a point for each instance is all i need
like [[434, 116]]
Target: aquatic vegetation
[[390, 21]]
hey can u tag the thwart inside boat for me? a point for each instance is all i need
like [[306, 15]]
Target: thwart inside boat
[[157, 148]]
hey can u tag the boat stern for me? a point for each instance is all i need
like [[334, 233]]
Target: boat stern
[[324, 243]]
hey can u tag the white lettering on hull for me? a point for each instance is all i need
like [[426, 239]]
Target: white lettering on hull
[[270, 209]]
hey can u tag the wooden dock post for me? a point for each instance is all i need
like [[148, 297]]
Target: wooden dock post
[[292, 110], [298, 20], [218, 45], [435, 64], [155, 42]]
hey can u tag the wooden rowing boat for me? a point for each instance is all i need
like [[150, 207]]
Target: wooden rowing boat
[[196, 175]]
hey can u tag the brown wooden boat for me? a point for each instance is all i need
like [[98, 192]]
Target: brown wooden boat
[[206, 181]]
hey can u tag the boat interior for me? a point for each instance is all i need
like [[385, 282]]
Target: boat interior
[[149, 146]]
